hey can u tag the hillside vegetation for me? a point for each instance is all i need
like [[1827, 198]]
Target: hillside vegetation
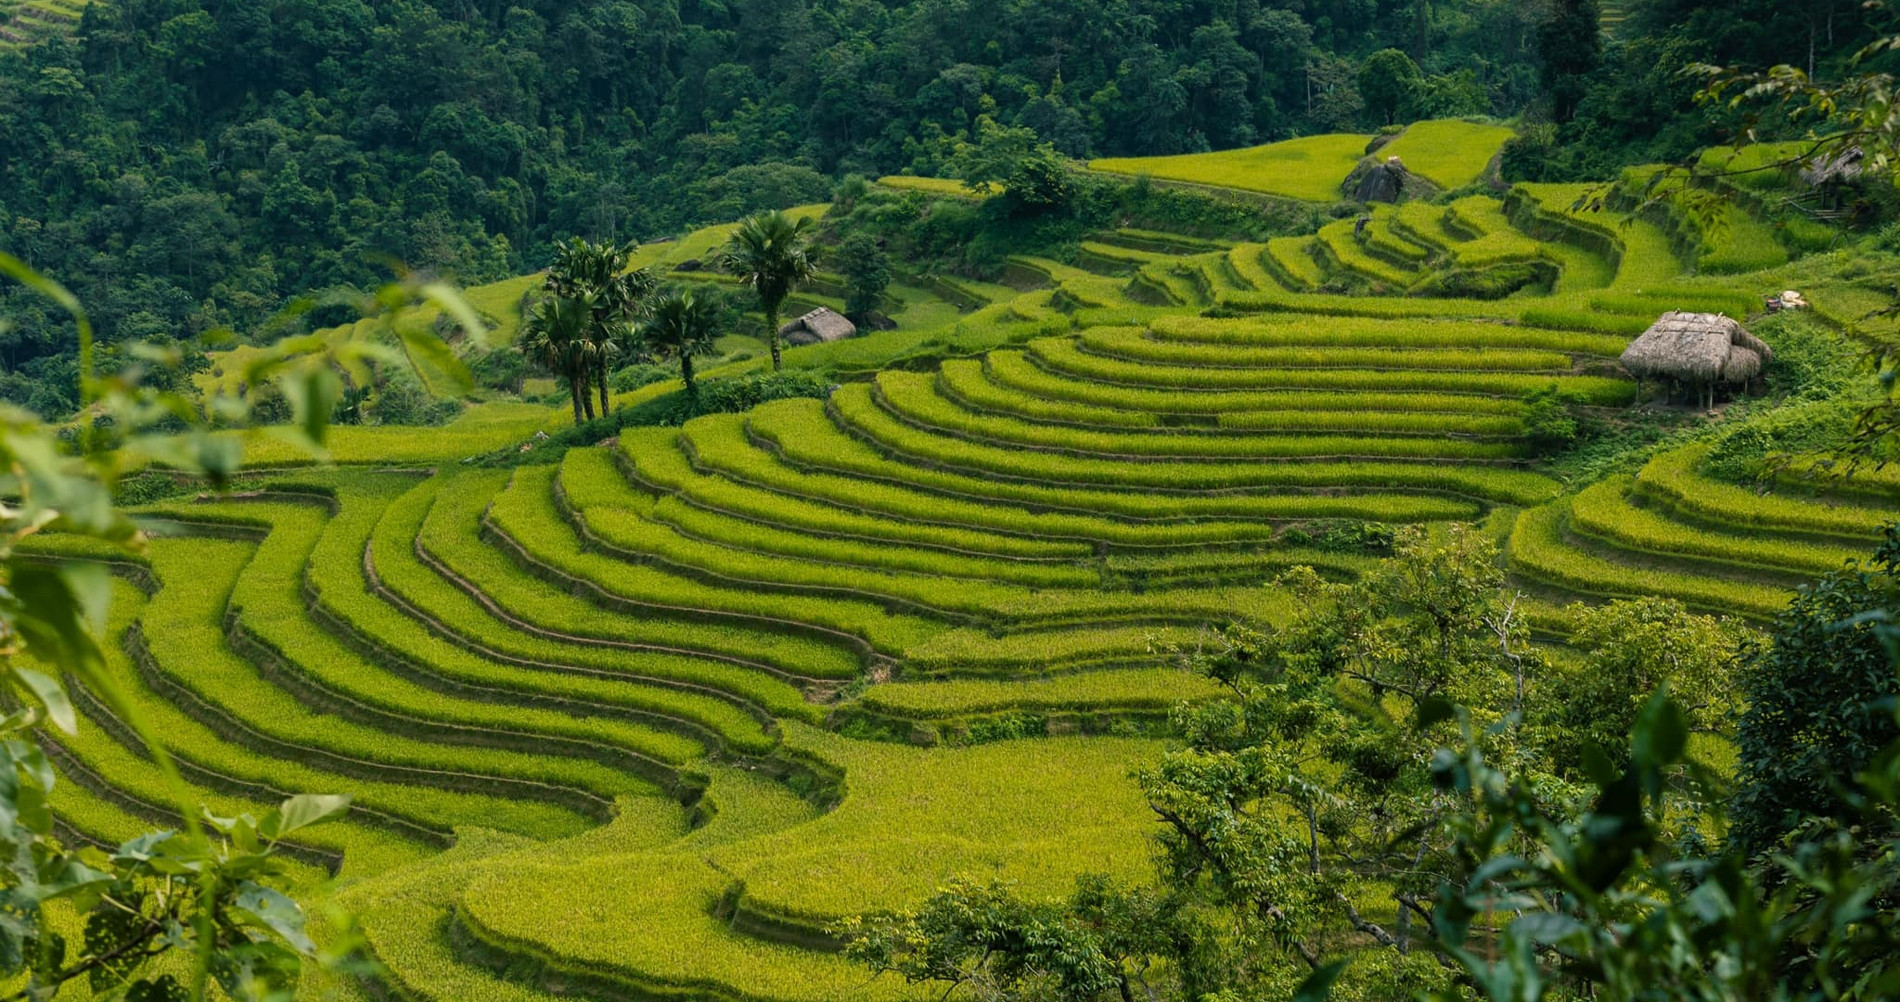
[[647, 716]]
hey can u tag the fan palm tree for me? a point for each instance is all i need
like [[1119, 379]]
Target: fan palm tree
[[584, 268], [554, 335], [771, 253], [683, 326]]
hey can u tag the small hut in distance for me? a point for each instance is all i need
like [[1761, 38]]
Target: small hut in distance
[[1698, 350], [817, 327]]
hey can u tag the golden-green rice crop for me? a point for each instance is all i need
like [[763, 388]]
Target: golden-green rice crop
[[1291, 261], [830, 467], [1285, 330], [1540, 552], [1384, 240], [657, 460], [1603, 512], [1084, 287], [1340, 246], [929, 185], [335, 574], [1448, 152], [1034, 813], [1144, 688], [968, 383], [611, 512], [1424, 223], [912, 397], [1120, 343], [183, 630], [451, 537], [527, 515], [858, 410], [1311, 169], [1063, 356], [1014, 370], [720, 665], [482, 428], [1673, 479], [966, 651], [405, 725], [1247, 261]]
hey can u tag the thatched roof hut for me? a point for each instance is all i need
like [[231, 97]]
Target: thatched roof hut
[[1699, 349], [1843, 167], [820, 325]]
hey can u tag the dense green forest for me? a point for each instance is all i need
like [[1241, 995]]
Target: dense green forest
[[192, 164]]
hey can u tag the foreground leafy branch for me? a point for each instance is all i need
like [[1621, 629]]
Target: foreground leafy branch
[[209, 891], [1538, 830]]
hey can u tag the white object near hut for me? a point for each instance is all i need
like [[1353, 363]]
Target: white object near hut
[[1702, 350], [820, 325]]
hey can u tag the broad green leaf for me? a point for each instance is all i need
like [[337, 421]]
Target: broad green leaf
[[1434, 710], [1318, 985], [163, 988], [50, 620], [111, 929], [425, 347], [312, 392], [450, 300], [91, 586], [274, 910], [302, 811], [52, 695]]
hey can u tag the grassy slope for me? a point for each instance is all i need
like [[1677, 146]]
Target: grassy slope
[[1449, 153], [1310, 169], [1073, 495]]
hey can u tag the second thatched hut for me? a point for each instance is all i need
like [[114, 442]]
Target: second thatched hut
[[817, 327], [1699, 350]]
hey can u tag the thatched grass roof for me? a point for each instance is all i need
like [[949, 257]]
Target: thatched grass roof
[[821, 324], [1697, 348], [1838, 168]]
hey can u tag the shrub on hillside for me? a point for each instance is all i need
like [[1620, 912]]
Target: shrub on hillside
[[1343, 535], [628, 378], [1494, 282], [1820, 701], [503, 370], [1548, 422], [402, 400]]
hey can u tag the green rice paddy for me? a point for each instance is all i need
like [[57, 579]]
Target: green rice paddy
[[641, 721]]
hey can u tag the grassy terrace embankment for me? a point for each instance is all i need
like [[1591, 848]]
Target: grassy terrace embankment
[[672, 698]]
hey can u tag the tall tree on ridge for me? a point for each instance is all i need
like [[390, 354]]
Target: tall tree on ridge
[[682, 325], [771, 253], [599, 272], [553, 335], [1389, 82]]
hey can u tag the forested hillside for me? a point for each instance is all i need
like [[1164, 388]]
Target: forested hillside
[[190, 164], [985, 500]]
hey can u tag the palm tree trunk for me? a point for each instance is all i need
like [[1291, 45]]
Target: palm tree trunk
[[575, 395], [686, 373], [771, 333], [600, 372]]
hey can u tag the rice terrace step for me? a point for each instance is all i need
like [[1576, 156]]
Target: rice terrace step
[[645, 707]]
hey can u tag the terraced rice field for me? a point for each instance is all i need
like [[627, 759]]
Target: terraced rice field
[[23, 22], [643, 721]]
